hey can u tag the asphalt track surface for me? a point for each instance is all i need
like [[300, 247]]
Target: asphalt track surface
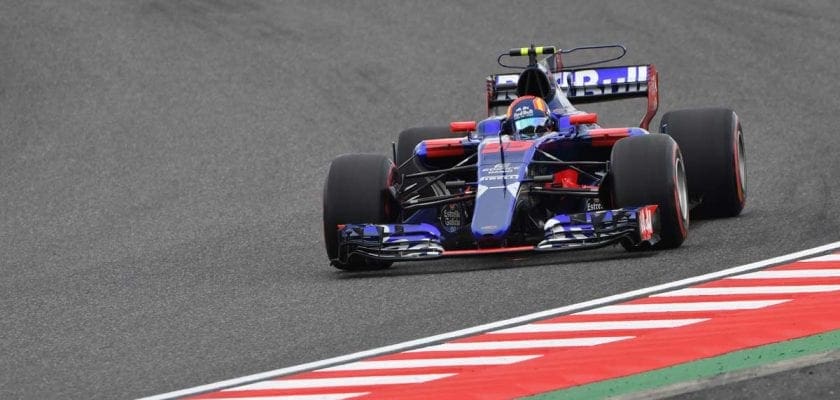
[[161, 168]]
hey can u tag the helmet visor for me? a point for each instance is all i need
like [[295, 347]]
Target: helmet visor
[[531, 125]]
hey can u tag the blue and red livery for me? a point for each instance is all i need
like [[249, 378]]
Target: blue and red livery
[[493, 189]]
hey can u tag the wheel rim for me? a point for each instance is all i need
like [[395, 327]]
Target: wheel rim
[[682, 192]]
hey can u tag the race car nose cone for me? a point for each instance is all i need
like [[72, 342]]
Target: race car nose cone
[[493, 213]]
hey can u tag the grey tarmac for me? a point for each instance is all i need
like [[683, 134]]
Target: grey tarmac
[[162, 162]]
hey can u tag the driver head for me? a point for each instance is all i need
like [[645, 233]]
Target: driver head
[[529, 117]]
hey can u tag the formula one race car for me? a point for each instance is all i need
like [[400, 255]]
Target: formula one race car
[[537, 174]]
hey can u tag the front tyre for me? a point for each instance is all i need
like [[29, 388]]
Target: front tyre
[[647, 170], [356, 192]]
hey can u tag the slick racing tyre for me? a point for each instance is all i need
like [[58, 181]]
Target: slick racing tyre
[[356, 191], [647, 170], [712, 143], [408, 140]]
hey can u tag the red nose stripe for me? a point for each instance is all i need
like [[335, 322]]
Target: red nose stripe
[[513, 146]]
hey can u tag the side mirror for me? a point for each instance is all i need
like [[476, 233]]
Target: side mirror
[[462, 126]]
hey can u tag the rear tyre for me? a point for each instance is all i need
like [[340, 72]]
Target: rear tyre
[[650, 170], [712, 143], [356, 191], [409, 139]]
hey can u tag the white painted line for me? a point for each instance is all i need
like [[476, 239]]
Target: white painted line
[[337, 382], [679, 307], [717, 291], [601, 325], [827, 257], [323, 396], [522, 344], [790, 273], [430, 362], [494, 325]]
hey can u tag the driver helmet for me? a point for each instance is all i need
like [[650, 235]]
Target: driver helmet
[[529, 116]]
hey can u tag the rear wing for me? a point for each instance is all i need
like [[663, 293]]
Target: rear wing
[[586, 86]]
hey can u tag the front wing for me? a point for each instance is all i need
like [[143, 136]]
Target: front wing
[[404, 242]]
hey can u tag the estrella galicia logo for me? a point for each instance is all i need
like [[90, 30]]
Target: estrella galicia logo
[[451, 217]]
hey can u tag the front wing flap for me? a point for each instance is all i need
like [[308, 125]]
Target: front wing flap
[[389, 241]]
